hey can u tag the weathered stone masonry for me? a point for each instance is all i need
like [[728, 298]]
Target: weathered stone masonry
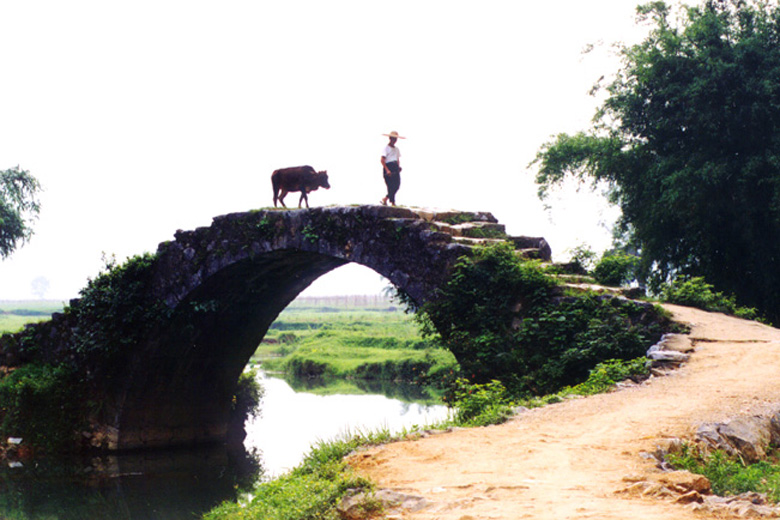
[[227, 283]]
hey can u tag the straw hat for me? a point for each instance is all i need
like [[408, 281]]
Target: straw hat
[[394, 134]]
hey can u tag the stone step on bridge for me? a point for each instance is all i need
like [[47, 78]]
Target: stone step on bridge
[[221, 287]]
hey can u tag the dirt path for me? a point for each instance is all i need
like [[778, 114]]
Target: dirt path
[[567, 460]]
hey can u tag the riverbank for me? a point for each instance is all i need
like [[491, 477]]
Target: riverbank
[[574, 459], [365, 340]]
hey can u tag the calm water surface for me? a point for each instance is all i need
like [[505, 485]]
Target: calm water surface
[[181, 485], [292, 421]]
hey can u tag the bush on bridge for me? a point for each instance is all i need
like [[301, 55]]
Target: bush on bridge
[[117, 307], [503, 318]]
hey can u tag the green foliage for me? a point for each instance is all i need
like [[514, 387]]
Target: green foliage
[[249, 395], [484, 232], [687, 141], [40, 404], [606, 374], [312, 490], [473, 312], [584, 257], [503, 319], [117, 308], [479, 404], [696, 292], [310, 233], [616, 269], [730, 475], [559, 344], [18, 207], [602, 378]]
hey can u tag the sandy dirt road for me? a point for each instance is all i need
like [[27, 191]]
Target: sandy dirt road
[[568, 460]]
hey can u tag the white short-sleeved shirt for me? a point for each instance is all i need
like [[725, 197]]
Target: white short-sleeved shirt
[[391, 154]]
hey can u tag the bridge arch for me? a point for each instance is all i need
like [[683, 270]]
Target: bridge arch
[[225, 284]]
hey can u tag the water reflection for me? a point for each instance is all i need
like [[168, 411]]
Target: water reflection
[[394, 390], [291, 422], [160, 485], [184, 484]]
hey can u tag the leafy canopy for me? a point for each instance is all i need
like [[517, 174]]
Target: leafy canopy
[[18, 207], [688, 139]]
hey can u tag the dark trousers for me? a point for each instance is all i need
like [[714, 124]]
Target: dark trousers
[[392, 180]]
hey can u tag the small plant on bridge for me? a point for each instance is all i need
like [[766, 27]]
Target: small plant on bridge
[[310, 233]]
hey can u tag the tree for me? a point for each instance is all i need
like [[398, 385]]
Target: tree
[[40, 286], [688, 139], [18, 207]]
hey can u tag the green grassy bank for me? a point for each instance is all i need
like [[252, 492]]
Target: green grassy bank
[[369, 339], [16, 314]]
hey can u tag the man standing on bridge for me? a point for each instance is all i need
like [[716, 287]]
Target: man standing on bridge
[[391, 167]]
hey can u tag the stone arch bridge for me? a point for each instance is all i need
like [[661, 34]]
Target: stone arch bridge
[[225, 285]]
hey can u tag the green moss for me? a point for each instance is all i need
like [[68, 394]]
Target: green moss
[[456, 218], [484, 232]]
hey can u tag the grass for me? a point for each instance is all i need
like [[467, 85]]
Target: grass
[[313, 489], [14, 315], [730, 475], [379, 343]]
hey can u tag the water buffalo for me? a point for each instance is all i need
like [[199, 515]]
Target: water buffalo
[[300, 178]]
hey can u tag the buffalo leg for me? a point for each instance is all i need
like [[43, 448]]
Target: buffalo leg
[[282, 195]]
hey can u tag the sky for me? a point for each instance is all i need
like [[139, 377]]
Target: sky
[[141, 118]]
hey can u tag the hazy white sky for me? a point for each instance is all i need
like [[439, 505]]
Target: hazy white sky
[[140, 118]]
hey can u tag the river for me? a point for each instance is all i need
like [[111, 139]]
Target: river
[[182, 484]]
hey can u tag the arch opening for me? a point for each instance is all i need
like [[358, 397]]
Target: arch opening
[[225, 284]]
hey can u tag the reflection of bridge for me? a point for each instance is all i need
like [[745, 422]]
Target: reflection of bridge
[[228, 282]]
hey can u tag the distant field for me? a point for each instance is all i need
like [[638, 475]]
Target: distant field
[[369, 339], [15, 314]]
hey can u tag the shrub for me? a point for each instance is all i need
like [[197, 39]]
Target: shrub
[[503, 318], [117, 308], [616, 269], [39, 404], [479, 404], [472, 314], [248, 396], [604, 375], [558, 344], [729, 475], [583, 258], [696, 292]]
